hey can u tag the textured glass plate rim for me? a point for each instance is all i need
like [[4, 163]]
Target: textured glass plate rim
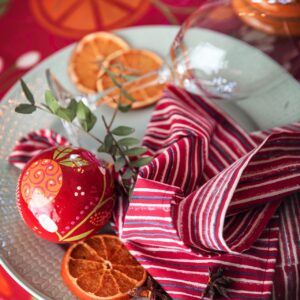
[[169, 31]]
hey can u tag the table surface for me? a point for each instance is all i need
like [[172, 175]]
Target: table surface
[[31, 30]]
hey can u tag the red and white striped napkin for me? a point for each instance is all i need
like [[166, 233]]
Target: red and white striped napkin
[[33, 143], [214, 195]]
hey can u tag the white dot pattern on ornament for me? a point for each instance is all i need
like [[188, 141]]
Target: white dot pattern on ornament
[[47, 223], [81, 212], [76, 194]]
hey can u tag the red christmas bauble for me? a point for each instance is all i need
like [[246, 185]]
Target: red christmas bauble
[[65, 194]]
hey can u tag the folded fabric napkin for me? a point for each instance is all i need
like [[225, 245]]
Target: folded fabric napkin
[[33, 143], [214, 196]]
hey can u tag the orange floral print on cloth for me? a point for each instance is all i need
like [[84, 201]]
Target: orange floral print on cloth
[[58, 23], [75, 18]]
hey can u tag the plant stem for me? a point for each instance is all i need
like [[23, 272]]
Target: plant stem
[[113, 118], [73, 124], [119, 148]]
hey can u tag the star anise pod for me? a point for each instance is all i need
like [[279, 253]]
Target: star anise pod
[[217, 284], [150, 290]]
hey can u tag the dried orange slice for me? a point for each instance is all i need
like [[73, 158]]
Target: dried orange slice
[[101, 268], [131, 63], [87, 56]]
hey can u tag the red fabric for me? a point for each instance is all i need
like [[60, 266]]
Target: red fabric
[[34, 142], [216, 196]]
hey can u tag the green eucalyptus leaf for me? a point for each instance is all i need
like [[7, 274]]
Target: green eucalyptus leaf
[[130, 77], [51, 102], [128, 141], [141, 161], [27, 92], [113, 79], [25, 108], [135, 151], [102, 148], [65, 114], [88, 124], [127, 95], [124, 108], [73, 106], [128, 174], [91, 122], [108, 141], [82, 111], [114, 150], [84, 125], [122, 130], [119, 163], [86, 118]]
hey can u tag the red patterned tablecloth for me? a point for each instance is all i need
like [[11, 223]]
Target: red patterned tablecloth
[[31, 30]]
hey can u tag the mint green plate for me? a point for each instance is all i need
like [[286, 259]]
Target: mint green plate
[[35, 263]]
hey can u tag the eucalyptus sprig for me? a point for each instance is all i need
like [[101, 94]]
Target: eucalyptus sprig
[[120, 74], [118, 142]]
